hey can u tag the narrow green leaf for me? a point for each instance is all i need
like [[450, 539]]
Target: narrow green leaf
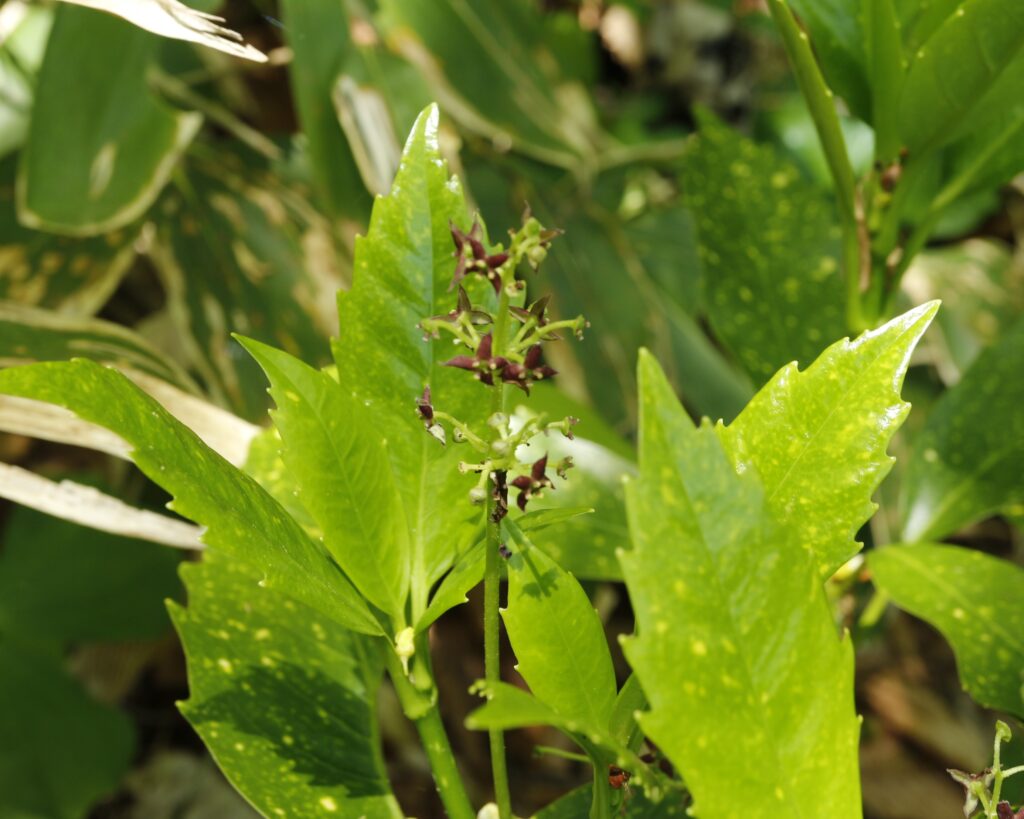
[[630, 701], [949, 74], [974, 600], [836, 32], [241, 518], [711, 577], [966, 460], [285, 702], [558, 639], [60, 751], [100, 146], [818, 438], [28, 335], [67, 583], [339, 462], [403, 271], [318, 34], [768, 242], [886, 66]]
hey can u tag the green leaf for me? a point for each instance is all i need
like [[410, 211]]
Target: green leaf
[[886, 66], [72, 275], [711, 578], [100, 146], [818, 438], [623, 724], [920, 20], [974, 600], [577, 803], [838, 39], [275, 280], [468, 571], [513, 92], [950, 73], [59, 750], [318, 34], [510, 707], [586, 547], [28, 335], [339, 462], [558, 639], [285, 702], [66, 583], [241, 518], [768, 243], [403, 270], [966, 460]]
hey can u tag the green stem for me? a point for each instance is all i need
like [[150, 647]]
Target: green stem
[[601, 803], [421, 707], [492, 584]]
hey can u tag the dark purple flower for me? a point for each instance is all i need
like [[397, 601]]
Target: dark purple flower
[[482, 365], [531, 485], [472, 256]]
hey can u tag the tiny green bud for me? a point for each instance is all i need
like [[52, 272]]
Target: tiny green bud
[[477, 495], [405, 646]]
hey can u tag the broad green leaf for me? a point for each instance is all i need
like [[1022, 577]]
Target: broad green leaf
[[265, 464], [275, 280], [242, 520], [835, 28], [318, 34], [768, 243], [468, 571], [28, 335], [59, 750], [920, 19], [403, 271], [577, 803], [558, 639], [515, 93], [100, 146], [736, 649], [966, 461], [71, 275], [818, 438], [66, 583], [974, 600], [949, 74], [285, 701], [510, 707], [338, 459]]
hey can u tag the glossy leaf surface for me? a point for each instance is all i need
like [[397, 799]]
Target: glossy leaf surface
[[966, 461], [712, 578], [285, 701], [951, 71], [339, 463], [403, 269], [100, 146], [974, 600], [768, 240], [242, 520], [818, 438], [559, 642]]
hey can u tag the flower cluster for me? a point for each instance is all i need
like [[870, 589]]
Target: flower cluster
[[501, 346]]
